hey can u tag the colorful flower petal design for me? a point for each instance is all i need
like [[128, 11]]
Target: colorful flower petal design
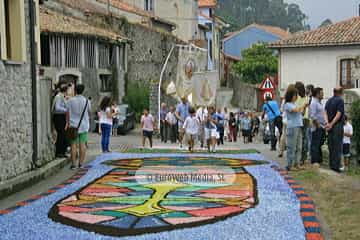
[[150, 195]]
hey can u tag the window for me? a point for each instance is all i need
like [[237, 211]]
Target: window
[[89, 53], [149, 5], [105, 82], [45, 50], [12, 30], [346, 73], [72, 52], [104, 55]]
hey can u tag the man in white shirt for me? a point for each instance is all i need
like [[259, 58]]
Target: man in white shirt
[[201, 115], [171, 123], [76, 106]]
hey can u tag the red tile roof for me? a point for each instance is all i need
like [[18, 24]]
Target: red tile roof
[[54, 22], [207, 3], [281, 33], [342, 33], [88, 6]]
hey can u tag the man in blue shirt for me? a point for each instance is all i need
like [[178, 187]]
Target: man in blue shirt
[[182, 112], [334, 118], [316, 115], [272, 110]]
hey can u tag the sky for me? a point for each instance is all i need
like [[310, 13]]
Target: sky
[[319, 10]]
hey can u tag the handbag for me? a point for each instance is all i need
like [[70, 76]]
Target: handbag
[[72, 133]]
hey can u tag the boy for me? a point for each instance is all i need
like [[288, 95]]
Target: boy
[[147, 125], [348, 133], [191, 127]]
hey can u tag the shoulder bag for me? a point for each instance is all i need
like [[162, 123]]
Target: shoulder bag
[[72, 132]]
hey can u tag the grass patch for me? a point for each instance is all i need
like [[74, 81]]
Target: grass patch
[[138, 150], [337, 198]]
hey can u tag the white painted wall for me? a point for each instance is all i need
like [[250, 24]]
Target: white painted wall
[[318, 66]]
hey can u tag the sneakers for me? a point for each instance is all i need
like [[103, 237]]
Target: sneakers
[[73, 167]]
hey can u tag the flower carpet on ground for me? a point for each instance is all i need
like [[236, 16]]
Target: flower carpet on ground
[[170, 196]]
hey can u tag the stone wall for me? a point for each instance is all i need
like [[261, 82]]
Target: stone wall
[[15, 115], [246, 96], [15, 120]]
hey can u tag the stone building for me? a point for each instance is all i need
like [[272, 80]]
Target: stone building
[[21, 146], [149, 44], [75, 52], [183, 13]]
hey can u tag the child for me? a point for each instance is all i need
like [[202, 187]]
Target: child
[[246, 127], [115, 111], [147, 125], [348, 133], [191, 127]]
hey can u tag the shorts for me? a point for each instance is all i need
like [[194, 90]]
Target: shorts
[[188, 137], [346, 150], [246, 133], [180, 126], [147, 134], [115, 123], [211, 133], [82, 138]]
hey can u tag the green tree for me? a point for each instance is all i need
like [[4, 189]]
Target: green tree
[[137, 96], [257, 62], [240, 13], [355, 117]]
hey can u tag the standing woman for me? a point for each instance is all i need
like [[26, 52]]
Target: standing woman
[[106, 121], [294, 128], [301, 101], [59, 117], [232, 127]]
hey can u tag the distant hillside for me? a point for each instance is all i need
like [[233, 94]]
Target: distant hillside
[[240, 13]]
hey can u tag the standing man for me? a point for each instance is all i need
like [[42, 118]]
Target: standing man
[[171, 123], [334, 118], [220, 126], [182, 112], [77, 116], [271, 108], [59, 117], [316, 115], [201, 114], [163, 125]]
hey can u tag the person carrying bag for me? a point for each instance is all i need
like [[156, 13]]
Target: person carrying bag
[[72, 132]]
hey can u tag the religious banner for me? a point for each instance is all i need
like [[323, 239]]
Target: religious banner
[[191, 59], [204, 88]]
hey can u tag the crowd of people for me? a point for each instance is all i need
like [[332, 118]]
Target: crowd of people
[[299, 125], [206, 127], [304, 123]]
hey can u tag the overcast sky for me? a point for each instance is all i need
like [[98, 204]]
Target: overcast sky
[[319, 10]]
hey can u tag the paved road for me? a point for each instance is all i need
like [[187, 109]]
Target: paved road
[[117, 143]]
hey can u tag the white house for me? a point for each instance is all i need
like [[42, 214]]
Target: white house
[[326, 57]]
